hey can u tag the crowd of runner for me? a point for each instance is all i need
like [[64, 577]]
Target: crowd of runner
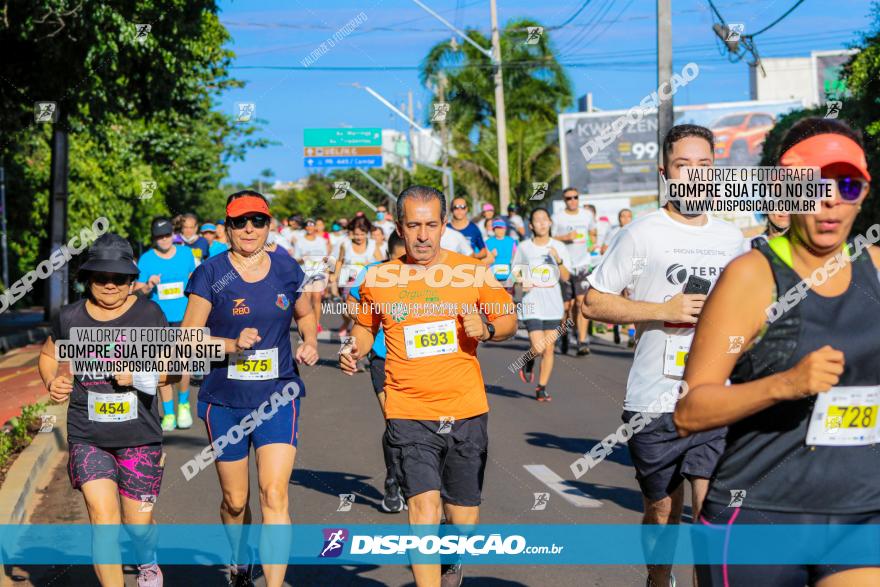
[[684, 288]]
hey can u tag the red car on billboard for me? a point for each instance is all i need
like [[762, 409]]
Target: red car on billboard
[[739, 137]]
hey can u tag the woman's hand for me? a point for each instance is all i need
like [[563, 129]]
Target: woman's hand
[[60, 388], [816, 373], [247, 339], [124, 379]]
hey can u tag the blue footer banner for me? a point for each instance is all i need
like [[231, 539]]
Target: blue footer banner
[[484, 544]]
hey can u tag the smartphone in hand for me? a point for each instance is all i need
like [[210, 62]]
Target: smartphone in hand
[[697, 285]]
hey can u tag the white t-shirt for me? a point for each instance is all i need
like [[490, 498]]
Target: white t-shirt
[[581, 222], [656, 255], [278, 239], [354, 263], [386, 225], [336, 240], [310, 248], [609, 235], [514, 222], [544, 300], [452, 240]]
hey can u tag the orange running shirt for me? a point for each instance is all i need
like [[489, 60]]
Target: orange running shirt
[[431, 369]]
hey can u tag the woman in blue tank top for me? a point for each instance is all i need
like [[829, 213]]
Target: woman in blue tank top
[[248, 298], [792, 325]]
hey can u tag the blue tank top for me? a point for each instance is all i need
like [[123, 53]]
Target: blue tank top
[[266, 305], [766, 453]]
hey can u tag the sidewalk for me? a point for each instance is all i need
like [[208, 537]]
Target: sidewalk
[[19, 381]]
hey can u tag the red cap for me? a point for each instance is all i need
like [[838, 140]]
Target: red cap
[[826, 150], [246, 204]]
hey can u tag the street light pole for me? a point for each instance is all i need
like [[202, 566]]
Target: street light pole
[[665, 113], [500, 114]]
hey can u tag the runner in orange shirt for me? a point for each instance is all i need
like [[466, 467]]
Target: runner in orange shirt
[[430, 305]]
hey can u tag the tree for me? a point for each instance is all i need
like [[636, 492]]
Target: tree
[[860, 109], [137, 108], [536, 89]]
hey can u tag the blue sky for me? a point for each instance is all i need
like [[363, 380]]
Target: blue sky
[[616, 38]]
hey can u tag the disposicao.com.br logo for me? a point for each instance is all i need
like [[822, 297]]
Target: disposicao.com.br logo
[[430, 544]]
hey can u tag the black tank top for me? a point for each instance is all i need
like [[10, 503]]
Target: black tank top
[[766, 453]]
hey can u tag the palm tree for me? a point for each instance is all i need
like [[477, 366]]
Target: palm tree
[[536, 89]]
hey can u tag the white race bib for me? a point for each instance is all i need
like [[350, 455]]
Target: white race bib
[[113, 407], [432, 338], [845, 416], [170, 291], [253, 365], [675, 355]]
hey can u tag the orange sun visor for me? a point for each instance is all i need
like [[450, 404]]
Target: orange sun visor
[[246, 204], [825, 150]]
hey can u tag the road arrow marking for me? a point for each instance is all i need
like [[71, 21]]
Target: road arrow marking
[[571, 494]]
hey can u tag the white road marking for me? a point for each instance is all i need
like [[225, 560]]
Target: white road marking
[[572, 495]]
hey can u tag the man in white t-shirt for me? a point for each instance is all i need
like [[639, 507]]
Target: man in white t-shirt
[[576, 227], [383, 221], [452, 240], [656, 256], [516, 225]]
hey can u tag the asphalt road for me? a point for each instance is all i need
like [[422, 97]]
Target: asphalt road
[[339, 452]]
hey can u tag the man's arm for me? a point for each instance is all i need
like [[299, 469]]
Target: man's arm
[[614, 308]]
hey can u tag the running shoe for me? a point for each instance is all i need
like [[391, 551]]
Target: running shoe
[[393, 501], [452, 576], [149, 575], [631, 343], [241, 576], [527, 372], [184, 416], [542, 395], [169, 422], [320, 329], [583, 349]]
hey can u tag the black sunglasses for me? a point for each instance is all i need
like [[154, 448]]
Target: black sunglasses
[[459, 207], [257, 220], [572, 197], [117, 279]]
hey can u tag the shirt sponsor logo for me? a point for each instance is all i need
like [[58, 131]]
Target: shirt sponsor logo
[[240, 308], [282, 302]]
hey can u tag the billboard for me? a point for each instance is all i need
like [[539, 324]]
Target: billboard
[[628, 164], [828, 69]]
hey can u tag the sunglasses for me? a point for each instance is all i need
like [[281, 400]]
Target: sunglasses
[[572, 198], [459, 207], [116, 279], [257, 220], [851, 189]]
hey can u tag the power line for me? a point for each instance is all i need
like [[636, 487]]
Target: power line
[[572, 17], [775, 22]]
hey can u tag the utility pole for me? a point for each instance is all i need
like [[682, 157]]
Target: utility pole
[[444, 133], [665, 116], [412, 134], [3, 224], [500, 114], [56, 292]]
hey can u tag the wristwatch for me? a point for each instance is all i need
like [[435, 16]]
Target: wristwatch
[[491, 330]]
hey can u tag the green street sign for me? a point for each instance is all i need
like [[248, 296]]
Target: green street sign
[[342, 137]]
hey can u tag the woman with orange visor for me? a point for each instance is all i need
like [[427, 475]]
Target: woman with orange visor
[[792, 325]]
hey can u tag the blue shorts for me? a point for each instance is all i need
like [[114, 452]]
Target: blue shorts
[[232, 435]]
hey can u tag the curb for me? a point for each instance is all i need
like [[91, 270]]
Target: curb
[[36, 459], [20, 339]]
